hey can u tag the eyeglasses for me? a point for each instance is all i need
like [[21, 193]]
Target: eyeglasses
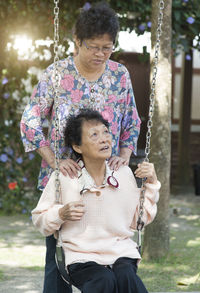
[[94, 49]]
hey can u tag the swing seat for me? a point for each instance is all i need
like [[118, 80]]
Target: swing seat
[[60, 261]]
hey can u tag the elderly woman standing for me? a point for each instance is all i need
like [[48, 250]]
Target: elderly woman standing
[[88, 79], [98, 211]]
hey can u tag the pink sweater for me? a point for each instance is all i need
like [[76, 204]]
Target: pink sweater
[[104, 232]]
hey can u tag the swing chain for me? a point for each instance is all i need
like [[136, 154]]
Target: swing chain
[[140, 223], [153, 83], [56, 97]]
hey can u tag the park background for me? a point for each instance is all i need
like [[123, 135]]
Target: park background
[[26, 31]]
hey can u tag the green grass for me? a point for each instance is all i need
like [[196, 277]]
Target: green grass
[[2, 277], [180, 269], [22, 246], [35, 268]]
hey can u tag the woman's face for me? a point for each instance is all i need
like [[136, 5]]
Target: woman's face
[[96, 141], [93, 53]]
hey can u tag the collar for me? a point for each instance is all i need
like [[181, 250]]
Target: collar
[[86, 182]]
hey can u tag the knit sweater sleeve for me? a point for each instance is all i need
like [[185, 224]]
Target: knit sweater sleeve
[[46, 214], [150, 205]]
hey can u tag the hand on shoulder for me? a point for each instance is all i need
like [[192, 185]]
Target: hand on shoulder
[[116, 162], [69, 167]]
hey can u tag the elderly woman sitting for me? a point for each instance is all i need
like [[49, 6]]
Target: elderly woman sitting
[[98, 211]]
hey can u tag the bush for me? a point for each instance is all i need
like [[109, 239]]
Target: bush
[[18, 170]]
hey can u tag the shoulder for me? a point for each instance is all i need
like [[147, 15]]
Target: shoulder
[[64, 63], [69, 189], [116, 66], [67, 183], [126, 177], [124, 172], [61, 177], [65, 179]]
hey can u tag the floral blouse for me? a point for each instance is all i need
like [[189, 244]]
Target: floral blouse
[[112, 95]]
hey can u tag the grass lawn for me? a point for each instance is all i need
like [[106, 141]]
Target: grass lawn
[[1, 276], [180, 269], [22, 248]]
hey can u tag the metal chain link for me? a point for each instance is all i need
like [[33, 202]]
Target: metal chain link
[[56, 96], [140, 223]]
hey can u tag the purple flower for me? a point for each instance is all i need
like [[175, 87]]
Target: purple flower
[[19, 160], [5, 80], [141, 27], [6, 96], [190, 20], [24, 179], [185, 1], [31, 156], [24, 211], [9, 151], [149, 24], [188, 57], [3, 158], [86, 6]]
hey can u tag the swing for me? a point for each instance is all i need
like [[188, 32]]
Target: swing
[[59, 256]]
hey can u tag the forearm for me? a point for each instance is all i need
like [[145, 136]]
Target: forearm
[[47, 154], [47, 220], [149, 206], [46, 214], [125, 153]]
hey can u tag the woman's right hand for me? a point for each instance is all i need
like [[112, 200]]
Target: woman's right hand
[[69, 167], [66, 166], [72, 211], [146, 169]]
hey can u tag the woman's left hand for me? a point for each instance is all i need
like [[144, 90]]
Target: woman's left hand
[[146, 170], [115, 162]]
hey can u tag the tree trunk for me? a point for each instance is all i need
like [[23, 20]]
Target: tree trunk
[[183, 170], [156, 236]]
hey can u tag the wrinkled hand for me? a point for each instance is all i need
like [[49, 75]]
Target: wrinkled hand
[[69, 167], [115, 162], [146, 169], [72, 211]]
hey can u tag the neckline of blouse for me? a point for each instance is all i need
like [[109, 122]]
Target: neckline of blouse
[[85, 79], [86, 182]]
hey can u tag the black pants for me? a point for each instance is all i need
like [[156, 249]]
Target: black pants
[[53, 283], [91, 277]]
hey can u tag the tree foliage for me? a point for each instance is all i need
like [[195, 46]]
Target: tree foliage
[[35, 18]]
